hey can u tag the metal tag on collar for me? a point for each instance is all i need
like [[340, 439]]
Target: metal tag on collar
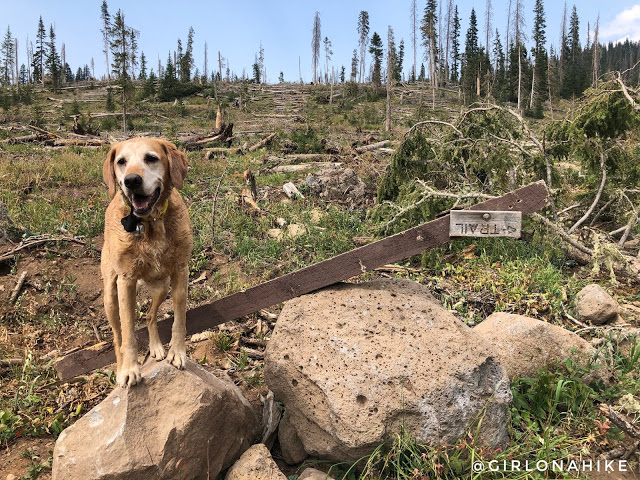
[[139, 229]]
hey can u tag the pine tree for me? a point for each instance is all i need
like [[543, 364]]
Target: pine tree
[[342, 74], [363, 39], [429, 31], [354, 65], [376, 51], [455, 45], [8, 58], [421, 77], [23, 77], [397, 70], [143, 67], [186, 60], [68, 74], [123, 49], [539, 81], [39, 54], [79, 75], [52, 62], [574, 76], [498, 68], [470, 59]]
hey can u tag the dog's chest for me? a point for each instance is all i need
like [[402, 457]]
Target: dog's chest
[[150, 256]]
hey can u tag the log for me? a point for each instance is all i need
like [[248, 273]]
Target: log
[[373, 146], [36, 137], [79, 142], [262, 142], [303, 166], [341, 267]]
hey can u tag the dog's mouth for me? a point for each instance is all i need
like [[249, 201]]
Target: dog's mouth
[[142, 204]]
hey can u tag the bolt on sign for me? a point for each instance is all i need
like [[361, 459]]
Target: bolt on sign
[[487, 224]]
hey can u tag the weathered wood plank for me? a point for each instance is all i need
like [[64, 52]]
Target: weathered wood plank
[[342, 267]]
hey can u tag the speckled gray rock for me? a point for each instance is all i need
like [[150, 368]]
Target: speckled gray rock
[[176, 424], [354, 363], [337, 184], [525, 344], [595, 305]]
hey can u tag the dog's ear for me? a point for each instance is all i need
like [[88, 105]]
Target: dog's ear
[[177, 165], [109, 173]]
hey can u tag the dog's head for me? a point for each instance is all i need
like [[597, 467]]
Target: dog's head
[[144, 169]]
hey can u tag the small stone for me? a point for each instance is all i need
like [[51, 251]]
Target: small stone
[[255, 464], [313, 474], [595, 305]]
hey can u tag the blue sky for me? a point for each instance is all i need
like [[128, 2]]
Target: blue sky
[[283, 27]]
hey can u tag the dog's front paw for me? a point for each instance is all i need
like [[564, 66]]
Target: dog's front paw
[[156, 351], [177, 357], [128, 377]]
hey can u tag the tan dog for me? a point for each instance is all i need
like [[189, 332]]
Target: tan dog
[[147, 238]]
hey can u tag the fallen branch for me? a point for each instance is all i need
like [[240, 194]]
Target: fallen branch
[[35, 241], [619, 421], [596, 199], [18, 287]]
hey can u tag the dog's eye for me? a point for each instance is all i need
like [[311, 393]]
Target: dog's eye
[[121, 161], [150, 159]]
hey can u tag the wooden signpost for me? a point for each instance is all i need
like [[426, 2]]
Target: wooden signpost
[[342, 267]]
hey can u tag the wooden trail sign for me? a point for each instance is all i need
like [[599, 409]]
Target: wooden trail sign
[[484, 224], [341, 267]]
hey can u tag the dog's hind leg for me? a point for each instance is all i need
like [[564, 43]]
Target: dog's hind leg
[[177, 355], [158, 292]]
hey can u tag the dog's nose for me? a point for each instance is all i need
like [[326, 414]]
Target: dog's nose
[[132, 181]]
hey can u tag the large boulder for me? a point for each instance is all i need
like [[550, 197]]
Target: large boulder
[[353, 364], [595, 305], [524, 345], [177, 424], [255, 464]]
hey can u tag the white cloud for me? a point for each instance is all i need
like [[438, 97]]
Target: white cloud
[[625, 25]]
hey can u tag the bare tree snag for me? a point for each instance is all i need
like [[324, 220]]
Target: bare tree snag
[[250, 180], [219, 120]]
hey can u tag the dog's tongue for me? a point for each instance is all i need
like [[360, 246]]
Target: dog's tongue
[[141, 202]]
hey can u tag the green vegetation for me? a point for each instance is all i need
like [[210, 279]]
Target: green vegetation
[[441, 163]]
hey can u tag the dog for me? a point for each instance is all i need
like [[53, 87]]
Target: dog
[[147, 239]]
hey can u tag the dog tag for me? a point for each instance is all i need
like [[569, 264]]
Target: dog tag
[[139, 229]]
